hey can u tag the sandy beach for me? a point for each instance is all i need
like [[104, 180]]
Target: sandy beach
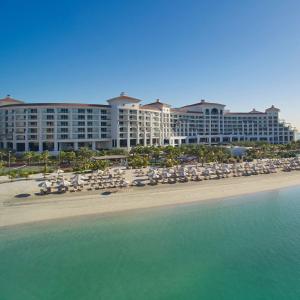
[[14, 211]]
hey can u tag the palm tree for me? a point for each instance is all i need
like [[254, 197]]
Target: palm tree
[[1, 164], [201, 154], [221, 155], [2, 154], [70, 156], [45, 158], [155, 153], [84, 156], [172, 152], [28, 156]]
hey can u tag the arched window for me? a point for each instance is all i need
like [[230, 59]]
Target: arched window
[[214, 111]]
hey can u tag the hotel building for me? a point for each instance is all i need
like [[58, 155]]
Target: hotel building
[[124, 122]]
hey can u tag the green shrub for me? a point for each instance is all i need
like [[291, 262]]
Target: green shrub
[[138, 162]]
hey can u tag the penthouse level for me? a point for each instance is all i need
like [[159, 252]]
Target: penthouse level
[[125, 122]]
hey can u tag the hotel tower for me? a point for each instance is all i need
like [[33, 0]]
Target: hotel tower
[[125, 122]]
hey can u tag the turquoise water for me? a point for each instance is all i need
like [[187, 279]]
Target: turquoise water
[[243, 248]]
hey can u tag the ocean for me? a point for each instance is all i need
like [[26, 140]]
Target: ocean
[[242, 248]]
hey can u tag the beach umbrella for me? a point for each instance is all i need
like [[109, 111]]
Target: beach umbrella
[[98, 172], [155, 176], [226, 170], [45, 184], [166, 174], [139, 182], [240, 169], [205, 172], [64, 183], [212, 171], [194, 172], [124, 183], [77, 180], [58, 172], [78, 177], [118, 171], [183, 172]]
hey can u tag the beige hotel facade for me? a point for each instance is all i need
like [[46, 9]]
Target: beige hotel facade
[[125, 122]]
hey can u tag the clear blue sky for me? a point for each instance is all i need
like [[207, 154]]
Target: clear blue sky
[[242, 53]]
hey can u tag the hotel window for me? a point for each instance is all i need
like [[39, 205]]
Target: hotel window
[[64, 110], [81, 117], [81, 123], [81, 111], [64, 123], [89, 111], [103, 111], [50, 110]]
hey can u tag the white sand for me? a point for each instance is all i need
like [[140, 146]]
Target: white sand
[[15, 211]]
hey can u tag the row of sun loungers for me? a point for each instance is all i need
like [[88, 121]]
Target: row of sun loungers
[[116, 178]]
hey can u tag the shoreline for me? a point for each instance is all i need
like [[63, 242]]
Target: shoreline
[[53, 207]]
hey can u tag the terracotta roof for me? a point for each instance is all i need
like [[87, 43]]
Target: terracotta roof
[[55, 104], [273, 108], [157, 103], [203, 102], [254, 111], [125, 97], [8, 100]]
